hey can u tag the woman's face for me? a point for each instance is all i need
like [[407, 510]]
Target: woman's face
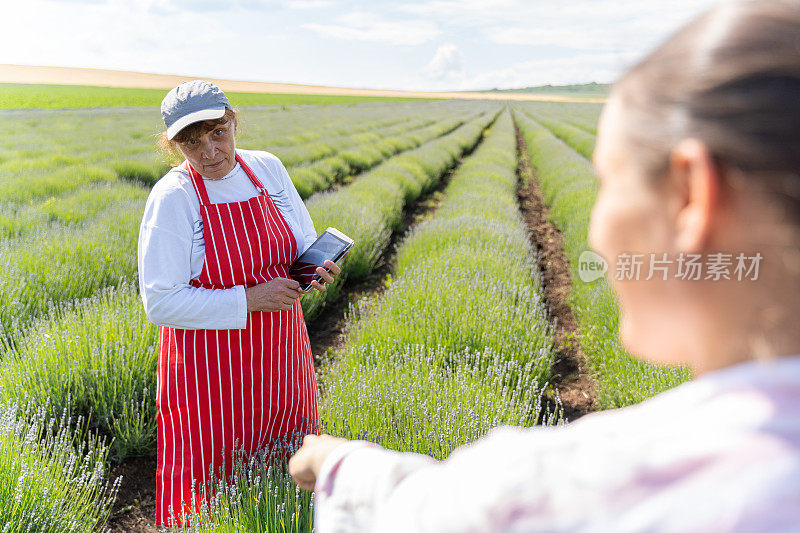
[[633, 218], [212, 154]]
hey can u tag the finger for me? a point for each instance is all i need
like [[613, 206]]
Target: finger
[[325, 275], [294, 461], [290, 294], [317, 285], [305, 484], [289, 283], [284, 298], [333, 267], [300, 473], [294, 295]]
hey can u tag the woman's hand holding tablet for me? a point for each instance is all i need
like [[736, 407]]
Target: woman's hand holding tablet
[[318, 262]]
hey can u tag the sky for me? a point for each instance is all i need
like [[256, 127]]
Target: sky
[[414, 45]]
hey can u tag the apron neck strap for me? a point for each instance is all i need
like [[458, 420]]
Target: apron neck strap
[[199, 186], [251, 175]]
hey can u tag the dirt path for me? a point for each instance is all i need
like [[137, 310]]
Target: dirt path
[[135, 508], [327, 331], [570, 372]]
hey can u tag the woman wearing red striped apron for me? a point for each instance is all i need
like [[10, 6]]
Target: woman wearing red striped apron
[[235, 371]]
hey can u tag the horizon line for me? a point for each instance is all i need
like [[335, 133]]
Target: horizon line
[[60, 75]]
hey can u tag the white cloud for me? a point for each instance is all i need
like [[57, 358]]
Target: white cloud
[[447, 63], [585, 38], [589, 25], [174, 7], [361, 26], [101, 37], [579, 68], [463, 12], [310, 4]]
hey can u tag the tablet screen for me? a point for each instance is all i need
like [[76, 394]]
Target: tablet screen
[[327, 247]]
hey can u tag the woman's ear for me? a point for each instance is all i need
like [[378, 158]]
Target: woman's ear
[[697, 181]]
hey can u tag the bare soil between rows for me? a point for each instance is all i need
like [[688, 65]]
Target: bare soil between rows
[[571, 377], [135, 508], [327, 332]]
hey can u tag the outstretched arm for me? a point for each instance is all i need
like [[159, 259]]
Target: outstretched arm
[[363, 487]]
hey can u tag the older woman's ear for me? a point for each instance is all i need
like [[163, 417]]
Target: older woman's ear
[[696, 182]]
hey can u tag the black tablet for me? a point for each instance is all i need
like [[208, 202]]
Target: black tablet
[[331, 245]]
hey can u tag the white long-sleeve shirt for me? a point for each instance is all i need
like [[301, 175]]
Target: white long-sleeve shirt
[[172, 248], [721, 453]]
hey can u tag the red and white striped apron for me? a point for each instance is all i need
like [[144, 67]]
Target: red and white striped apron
[[223, 388]]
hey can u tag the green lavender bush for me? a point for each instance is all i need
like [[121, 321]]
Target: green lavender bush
[[581, 141], [569, 188], [97, 359], [52, 478]]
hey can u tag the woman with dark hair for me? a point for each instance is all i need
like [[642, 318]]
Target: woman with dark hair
[[235, 372], [697, 153]]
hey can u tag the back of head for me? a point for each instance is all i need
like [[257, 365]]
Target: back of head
[[731, 78]]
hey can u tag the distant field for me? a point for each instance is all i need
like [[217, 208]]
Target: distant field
[[586, 90], [20, 96]]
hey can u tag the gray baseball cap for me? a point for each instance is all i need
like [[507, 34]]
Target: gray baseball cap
[[190, 102]]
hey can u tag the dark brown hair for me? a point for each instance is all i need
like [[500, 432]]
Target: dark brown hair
[[169, 147], [730, 78]]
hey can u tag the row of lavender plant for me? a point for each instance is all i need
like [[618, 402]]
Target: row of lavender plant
[[371, 208], [95, 359], [458, 341], [579, 139], [377, 147], [569, 189], [51, 480], [48, 268], [583, 116]]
